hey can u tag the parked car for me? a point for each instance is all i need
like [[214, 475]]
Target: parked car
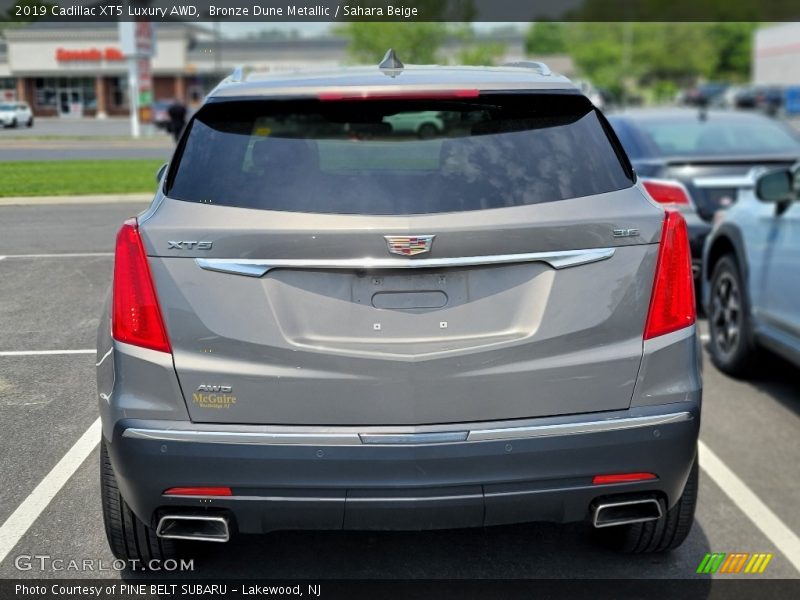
[[13, 114], [768, 99], [751, 275], [704, 94], [312, 331], [424, 124], [696, 162]]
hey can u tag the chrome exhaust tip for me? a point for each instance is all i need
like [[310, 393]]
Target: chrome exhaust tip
[[624, 512], [199, 528]]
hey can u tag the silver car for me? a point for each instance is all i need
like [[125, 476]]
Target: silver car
[[751, 279], [322, 324]]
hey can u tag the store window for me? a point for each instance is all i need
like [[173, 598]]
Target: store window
[[45, 91], [119, 92], [8, 89]]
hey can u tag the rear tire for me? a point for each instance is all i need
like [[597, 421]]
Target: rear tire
[[730, 345], [663, 535], [427, 131], [30, 122], [128, 537]]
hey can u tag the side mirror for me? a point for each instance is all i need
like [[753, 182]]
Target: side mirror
[[160, 173], [779, 185]]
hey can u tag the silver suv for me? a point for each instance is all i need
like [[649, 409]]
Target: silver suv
[[324, 323]]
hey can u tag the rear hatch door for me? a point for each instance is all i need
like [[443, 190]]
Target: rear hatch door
[[500, 271]]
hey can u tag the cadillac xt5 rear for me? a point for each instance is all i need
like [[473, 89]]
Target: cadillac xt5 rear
[[328, 321]]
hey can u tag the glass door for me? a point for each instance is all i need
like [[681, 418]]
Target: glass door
[[70, 102]]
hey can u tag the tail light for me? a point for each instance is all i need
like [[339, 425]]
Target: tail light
[[672, 305], [666, 192], [409, 95], [622, 478], [198, 491], [136, 316]]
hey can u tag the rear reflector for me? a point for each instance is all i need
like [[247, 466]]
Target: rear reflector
[[621, 478], [672, 305], [198, 491], [665, 192], [410, 95], [136, 317]]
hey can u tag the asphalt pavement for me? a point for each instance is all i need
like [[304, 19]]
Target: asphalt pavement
[[55, 274], [61, 139]]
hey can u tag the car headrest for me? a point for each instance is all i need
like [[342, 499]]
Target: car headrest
[[285, 153]]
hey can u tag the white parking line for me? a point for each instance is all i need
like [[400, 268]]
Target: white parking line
[[45, 352], [751, 505], [65, 255], [26, 513], [704, 337]]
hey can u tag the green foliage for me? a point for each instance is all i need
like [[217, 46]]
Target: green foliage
[[546, 37], [79, 177], [481, 54], [414, 42], [659, 56], [472, 51], [734, 44]]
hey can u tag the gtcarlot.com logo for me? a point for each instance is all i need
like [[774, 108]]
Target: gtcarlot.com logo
[[45, 562], [734, 562]]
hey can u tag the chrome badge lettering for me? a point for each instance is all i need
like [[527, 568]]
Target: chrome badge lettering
[[189, 245], [625, 233], [214, 396]]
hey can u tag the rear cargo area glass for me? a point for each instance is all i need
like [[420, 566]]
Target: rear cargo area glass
[[396, 157]]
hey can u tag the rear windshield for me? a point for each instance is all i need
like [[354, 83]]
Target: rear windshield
[[394, 157], [715, 136]]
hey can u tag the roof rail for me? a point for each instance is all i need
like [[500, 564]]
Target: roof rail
[[541, 67]]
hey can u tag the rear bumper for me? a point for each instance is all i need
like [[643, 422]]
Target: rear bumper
[[541, 471]]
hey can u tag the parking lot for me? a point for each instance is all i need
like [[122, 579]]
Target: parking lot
[[59, 139], [55, 267]]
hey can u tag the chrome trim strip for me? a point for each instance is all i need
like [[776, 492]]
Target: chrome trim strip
[[311, 438], [734, 181], [414, 438], [242, 437], [258, 267], [537, 431]]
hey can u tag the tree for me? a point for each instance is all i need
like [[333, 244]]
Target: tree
[[473, 51], [546, 37], [415, 42], [734, 45]]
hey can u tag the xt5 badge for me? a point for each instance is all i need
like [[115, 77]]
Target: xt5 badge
[[189, 245]]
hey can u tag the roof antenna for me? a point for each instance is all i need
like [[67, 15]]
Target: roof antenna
[[391, 65]]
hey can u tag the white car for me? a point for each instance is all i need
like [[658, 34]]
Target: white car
[[13, 114]]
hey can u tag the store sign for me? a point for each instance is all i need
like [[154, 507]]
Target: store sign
[[89, 55]]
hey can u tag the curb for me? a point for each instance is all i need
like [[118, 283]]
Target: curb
[[93, 199]]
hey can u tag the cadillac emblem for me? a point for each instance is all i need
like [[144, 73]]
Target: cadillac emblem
[[409, 245]]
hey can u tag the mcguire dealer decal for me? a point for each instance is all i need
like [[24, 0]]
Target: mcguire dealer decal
[[214, 396]]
